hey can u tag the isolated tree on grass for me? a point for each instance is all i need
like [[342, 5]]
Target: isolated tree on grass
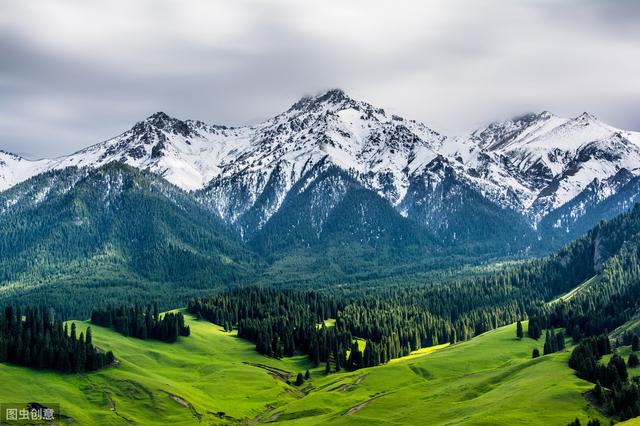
[[307, 375], [519, 333], [299, 380], [535, 353]]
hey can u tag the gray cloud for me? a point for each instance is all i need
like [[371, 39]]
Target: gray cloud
[[76, 72]]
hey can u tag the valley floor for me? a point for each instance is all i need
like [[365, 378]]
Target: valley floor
[[212, 377]]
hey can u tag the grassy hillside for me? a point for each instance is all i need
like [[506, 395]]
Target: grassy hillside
[[214, 378]]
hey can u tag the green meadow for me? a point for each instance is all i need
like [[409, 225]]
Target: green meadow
[[213, 377]]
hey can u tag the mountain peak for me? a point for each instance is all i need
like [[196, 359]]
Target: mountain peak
[[585, 116], [332, 97], [160, 115], [533, 117], [162, 121]]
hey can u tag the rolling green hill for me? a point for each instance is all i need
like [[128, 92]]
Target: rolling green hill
[[213, 377]]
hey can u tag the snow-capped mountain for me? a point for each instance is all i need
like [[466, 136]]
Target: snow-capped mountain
[[379, 150], [15, 169], [546, 161], [522, 169]]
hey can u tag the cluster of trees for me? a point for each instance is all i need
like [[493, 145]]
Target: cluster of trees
[[142, 322], [585, 360], [300, 379], [280, 321], [34, 338], [553, 342], [613, 389], [534, 331], [590, 422]]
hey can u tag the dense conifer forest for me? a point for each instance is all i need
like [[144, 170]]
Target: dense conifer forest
[[34, 338], [392, 322], [142, 322]]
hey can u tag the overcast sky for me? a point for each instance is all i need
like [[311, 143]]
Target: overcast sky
[[73, 73]]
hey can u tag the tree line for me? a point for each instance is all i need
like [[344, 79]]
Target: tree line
[[392, 322], [34, 338], [142, 322]]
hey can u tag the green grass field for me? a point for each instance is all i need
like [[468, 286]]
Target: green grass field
[[212, 377]]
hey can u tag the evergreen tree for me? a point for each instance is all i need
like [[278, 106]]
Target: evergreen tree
[[534, 331], [299, 380], [597, 391], [535, 353], [560, 345], [519, 333], [633, 360], [35, 339], [142, 323], [549, 343]]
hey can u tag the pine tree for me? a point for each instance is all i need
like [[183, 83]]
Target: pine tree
[[548, 345], [307, 375], [535, 353], [560, 341], [299, 379], [597, 391], [519, 333]]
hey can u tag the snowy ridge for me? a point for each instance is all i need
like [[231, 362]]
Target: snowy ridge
[[547, 161], [533, 164], [15, 169]]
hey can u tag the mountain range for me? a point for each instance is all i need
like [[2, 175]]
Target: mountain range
[[332, 175]]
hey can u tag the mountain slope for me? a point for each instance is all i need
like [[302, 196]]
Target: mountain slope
[[444, 202], [15, 169], [547, 161], [525, 173], [91, 231]]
